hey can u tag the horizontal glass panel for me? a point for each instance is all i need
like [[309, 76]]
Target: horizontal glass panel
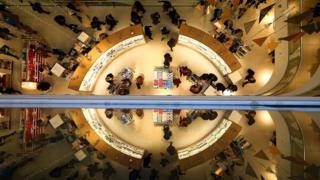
[[38, 143]]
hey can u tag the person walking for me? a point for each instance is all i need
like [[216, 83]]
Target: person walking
[[148, 32], [172, 43], [38, 8], [171, 149], [164, 33]]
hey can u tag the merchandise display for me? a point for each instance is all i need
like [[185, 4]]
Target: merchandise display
[[206, 142], [94, 121], [98, 66]]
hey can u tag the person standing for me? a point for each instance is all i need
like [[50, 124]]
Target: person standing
[[5, 34], [96, 24], [38, 8], [171, 149], [249, 78], [155, 18], [172, 43], [6, 50], [111, 22], [148, 32], [164, 33]]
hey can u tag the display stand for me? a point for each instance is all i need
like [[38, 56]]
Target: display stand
[[34, 60], [31, 128], [163, 78], [162, 116]]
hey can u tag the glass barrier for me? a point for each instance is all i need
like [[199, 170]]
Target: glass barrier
[[294, 53], [42, 143]]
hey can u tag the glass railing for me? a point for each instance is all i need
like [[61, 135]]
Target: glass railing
[[294, 53], [297, 143], [42, 143]]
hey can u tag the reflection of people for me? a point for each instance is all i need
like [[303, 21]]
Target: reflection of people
[[250, 117], [109, 113], [43, 86], [196, 88], [7, 51], [147, 160], [139, 81]]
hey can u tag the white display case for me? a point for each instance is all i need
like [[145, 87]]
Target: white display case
[[207, 52], [104, 133], [101, 63], [205, 143]]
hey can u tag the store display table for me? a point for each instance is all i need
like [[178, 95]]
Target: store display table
[[162, 116], [56, 121], [163, 78], [58, 70]]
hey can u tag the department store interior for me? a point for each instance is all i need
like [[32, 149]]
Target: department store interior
[[149, 48]]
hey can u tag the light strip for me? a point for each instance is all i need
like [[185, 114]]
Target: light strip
[[206, 51], [208, 141], [94, 121], [101, 63]]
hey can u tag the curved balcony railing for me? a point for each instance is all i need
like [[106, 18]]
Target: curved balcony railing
[[294, 54], [296, 142]]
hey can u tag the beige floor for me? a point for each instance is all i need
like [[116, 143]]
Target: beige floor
[[145, 134], [144, 63], [60, 37], [257, 59]]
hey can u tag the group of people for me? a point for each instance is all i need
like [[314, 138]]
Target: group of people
[[109, 20]]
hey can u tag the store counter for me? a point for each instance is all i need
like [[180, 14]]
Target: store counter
[[211, 48], [104, 141], [90, 67], [208, 147]]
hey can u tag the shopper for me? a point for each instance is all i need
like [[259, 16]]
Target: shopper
[[155, 17], [249, 78], [166, 5], [109, 78], [74, 28], [134, 174], [6, 50], [163, 161], [111, 22], [167, 60], [216, 15], [61, 20], [147, 160], [171, 149], [154, 174], [73, 11], [135, 18], [5, 34], [139, 7], [38, 8], [96, 24], [250, 117], [172, 43], [164, 33], [43, 86], [220, 87], [176, 82], [139, 81], [148, 32]]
